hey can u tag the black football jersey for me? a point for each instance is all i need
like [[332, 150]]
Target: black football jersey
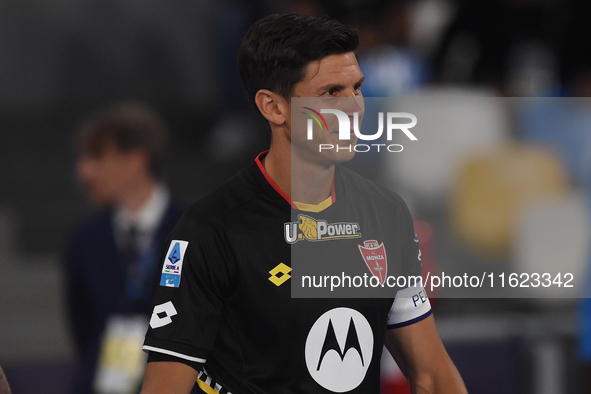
[[225, 297]]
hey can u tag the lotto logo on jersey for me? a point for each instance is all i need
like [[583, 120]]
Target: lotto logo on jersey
[[173, 264], [311, 229]]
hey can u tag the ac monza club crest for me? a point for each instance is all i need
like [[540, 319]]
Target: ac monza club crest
[[374, 255]]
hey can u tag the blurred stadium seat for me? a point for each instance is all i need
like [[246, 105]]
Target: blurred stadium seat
[[564, 124], [451, 124], [553, 237], [494, 186]]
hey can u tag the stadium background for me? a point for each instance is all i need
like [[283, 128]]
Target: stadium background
[[61, 59]]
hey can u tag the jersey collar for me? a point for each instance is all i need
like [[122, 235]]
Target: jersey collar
[[300, 206]]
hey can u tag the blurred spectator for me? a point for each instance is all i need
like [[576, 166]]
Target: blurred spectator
[[236, 130], [112, 260], [4, 387], [233, 19], [391, 65], [511, 45], [576, 58]]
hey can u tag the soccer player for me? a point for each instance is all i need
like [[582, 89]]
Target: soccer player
[[224, 315]]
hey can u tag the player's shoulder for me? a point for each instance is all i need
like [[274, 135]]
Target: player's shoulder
[[175, 210], [367, 189], [213, 208]]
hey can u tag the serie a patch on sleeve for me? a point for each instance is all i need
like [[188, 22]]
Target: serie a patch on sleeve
[[173, 264]]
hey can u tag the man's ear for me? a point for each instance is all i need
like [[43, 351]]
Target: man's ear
[[272, 106]]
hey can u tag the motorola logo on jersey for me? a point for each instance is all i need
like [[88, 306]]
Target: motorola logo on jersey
[[312, 229], [339, 349], [331, 343]]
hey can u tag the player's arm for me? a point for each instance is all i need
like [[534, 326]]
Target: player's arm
[[423, 360], [168, 377]]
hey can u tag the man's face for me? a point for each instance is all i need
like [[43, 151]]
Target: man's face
[[107, 175], [335, 83]]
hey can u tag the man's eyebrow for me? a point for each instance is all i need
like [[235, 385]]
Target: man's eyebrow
[[338, 86], [330, 86]]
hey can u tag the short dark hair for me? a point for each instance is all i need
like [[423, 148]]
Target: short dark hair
[[126, 126], [276, 50]]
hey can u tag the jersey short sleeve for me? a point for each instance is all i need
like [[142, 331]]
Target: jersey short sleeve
[[193, 285], [411, 304]]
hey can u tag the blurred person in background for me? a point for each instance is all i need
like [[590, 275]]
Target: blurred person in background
[[112, 259], [512, 46]]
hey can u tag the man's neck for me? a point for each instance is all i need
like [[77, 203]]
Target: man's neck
[[310, 183], [301, 180], [137, 195]]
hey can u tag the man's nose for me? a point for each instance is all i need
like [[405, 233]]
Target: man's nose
[[351, 104]]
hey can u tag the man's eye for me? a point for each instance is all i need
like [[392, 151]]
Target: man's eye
[[331, 92]]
